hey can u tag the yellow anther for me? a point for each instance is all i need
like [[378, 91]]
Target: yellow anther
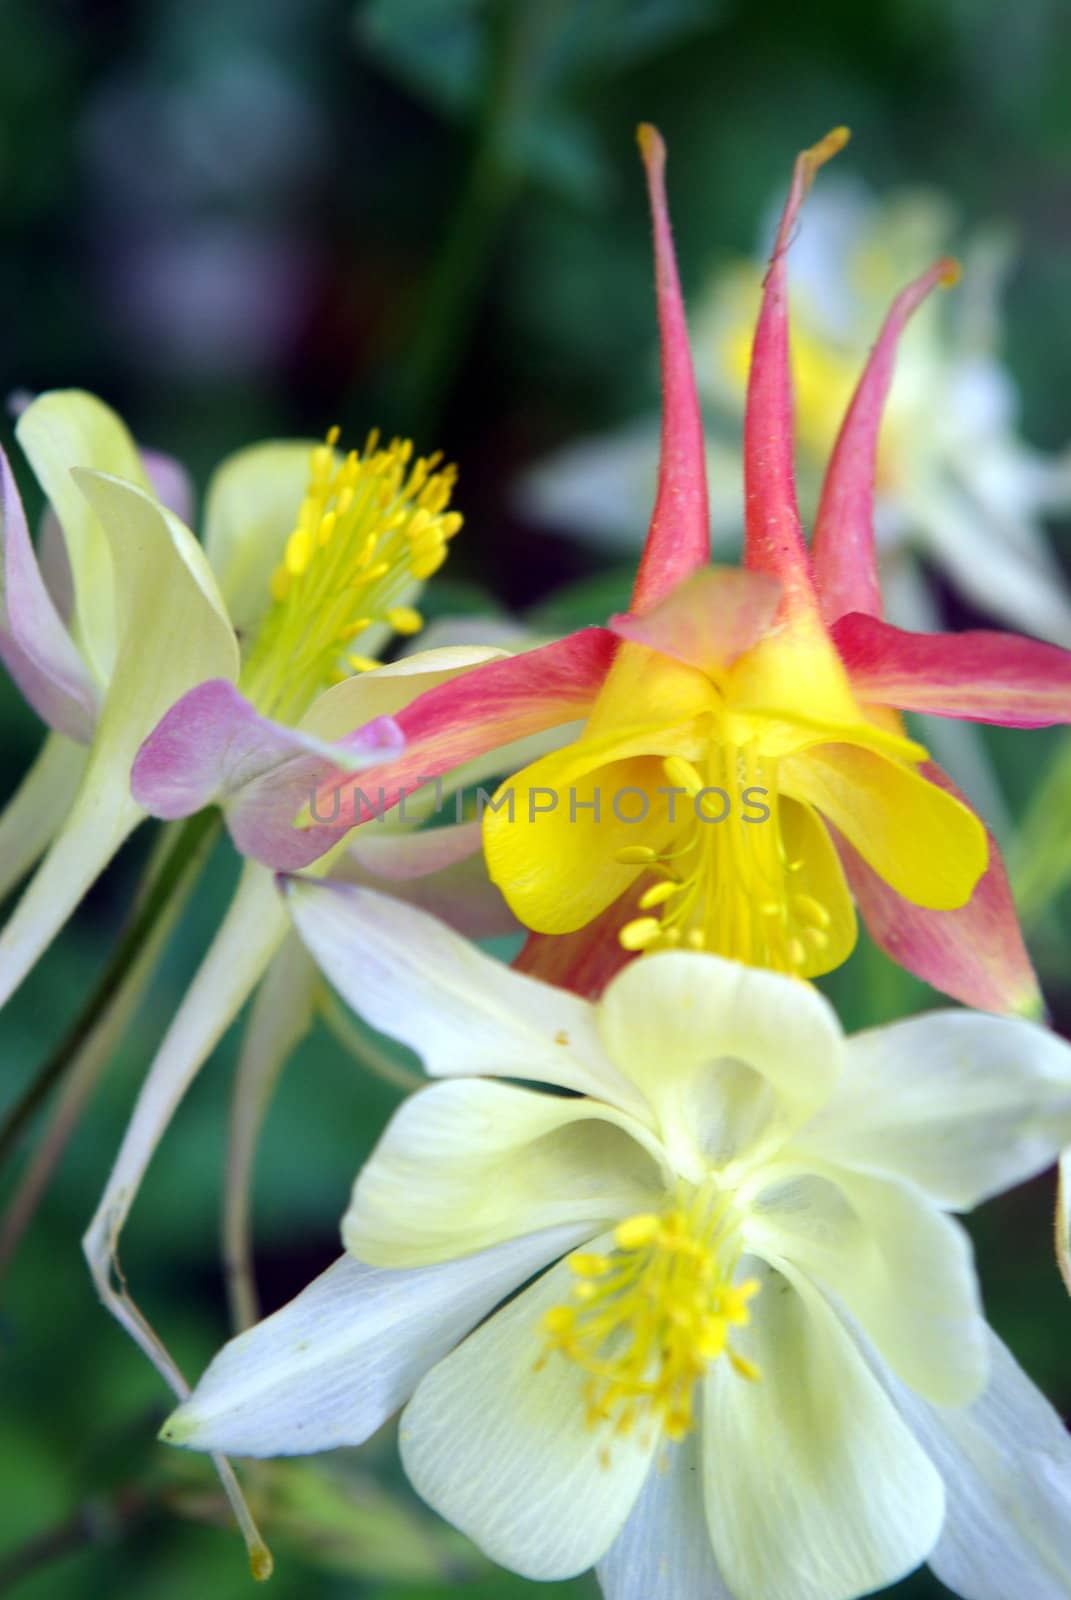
[[327, 527], [743, 1367], [813, 910], [658, 894], [637, 1231], [429, 564], [695, 939], [636, 855], [405, 619], [450, 524], [645, 1321], [280, 584], [587, 1265], [334, 434], [683, 775], [298, 551], [362, 663], [816, 938], [639, 933], [797, 952], [352, 629]]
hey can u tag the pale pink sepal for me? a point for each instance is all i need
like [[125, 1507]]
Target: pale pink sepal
[[975, 954], [678, 541], [708, 620], [441, 870], [978, 676], [843, 553], [214, 747], [35, 646], [773, 535], [477, 712], [171, 483]]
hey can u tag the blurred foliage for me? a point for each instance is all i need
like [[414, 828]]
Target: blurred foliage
[[256, 218]]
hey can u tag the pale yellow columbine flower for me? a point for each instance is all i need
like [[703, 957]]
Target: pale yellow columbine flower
[[750, 1359]]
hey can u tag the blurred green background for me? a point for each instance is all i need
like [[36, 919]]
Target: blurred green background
[[240, 218]]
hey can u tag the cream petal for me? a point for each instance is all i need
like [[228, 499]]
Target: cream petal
[[962, 1104], [467, 1164], [65, 429], [815, 1489], [725, 1054], [464, 1013], [251, 508], [664, 1552], [334, 1364], [899, 1266], [503, 1451]]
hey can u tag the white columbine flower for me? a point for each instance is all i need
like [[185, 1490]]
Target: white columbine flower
[[744, 1354]]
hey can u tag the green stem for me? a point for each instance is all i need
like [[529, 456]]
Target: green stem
[[188, 844]]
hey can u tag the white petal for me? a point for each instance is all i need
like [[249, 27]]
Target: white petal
[[467, 1164], [462, 1012], [900, 1267], [723, 1053], [664, 1552], [815, 1488], [1006, 1463], [334, 1364], [504, 1453], [962, 1104]]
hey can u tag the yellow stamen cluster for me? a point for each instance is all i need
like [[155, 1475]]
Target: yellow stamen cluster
[[726, 882], [646, 1321], [372, 524]]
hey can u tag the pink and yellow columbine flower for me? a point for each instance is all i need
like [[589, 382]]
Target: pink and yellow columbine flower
[[779, 680]]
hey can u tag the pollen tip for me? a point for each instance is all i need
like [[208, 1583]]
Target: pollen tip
[[949, 272], [652, 145]]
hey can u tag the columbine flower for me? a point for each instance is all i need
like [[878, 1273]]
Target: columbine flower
[[154, 614], [954, 481], [752, 1361], [780, 682]]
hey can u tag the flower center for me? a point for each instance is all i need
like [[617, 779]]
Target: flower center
[[727, 883], [646, 1321], [372, 525]]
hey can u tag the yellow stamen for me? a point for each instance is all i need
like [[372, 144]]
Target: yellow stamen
[[370, 526], [645, 1322]]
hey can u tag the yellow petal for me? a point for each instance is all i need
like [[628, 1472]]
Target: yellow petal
[[926, 845]]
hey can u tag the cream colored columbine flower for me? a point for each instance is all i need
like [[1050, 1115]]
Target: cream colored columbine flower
[[750, 1359]]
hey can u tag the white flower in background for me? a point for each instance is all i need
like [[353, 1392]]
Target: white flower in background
[[744, 1354], [956, 483]]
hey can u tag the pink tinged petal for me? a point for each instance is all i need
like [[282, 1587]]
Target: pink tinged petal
[[708, 620], [34, 644], [978, 675], [773, 536], [171, 483], [974, 953], [678, 541], [474, 714], [441, 870], [214, 747], [842, 550]]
